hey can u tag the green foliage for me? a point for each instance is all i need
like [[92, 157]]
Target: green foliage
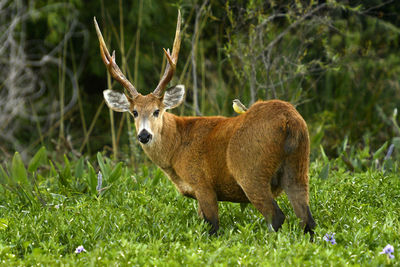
[[79, 168], [18, 171], [67, 178], [4, 178], [18, 181], [362, 158], [144, 221], [115, 174], [111, 175], [337, 61], [279, 51], [38, 159]]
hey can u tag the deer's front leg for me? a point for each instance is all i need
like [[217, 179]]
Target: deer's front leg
[[208, 208]]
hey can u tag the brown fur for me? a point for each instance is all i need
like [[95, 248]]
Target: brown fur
[[249, 158]]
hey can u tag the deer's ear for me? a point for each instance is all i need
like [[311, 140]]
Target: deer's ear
[[116, 101], [173, 97]]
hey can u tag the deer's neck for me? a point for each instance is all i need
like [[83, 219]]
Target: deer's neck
[[161, 151]]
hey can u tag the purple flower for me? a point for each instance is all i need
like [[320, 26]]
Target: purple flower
[[389, 249], [330, 238], [80, 249]]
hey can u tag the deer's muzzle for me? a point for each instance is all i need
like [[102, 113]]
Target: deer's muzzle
[[144, 136]]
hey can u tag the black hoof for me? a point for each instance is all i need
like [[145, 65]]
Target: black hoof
[[213, 232], [214, 227], [278, 217], [310, 225]]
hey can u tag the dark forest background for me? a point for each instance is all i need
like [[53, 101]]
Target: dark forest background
[[337, 61]]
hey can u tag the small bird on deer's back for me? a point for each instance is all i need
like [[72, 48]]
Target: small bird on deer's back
[[238, 107]]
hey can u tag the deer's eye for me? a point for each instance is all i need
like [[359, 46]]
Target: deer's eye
[[135, 114], [156, 113]]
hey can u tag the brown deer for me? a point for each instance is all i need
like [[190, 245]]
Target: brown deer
[[252, 157]]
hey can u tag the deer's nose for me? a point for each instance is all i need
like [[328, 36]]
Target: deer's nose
[[144, 136]]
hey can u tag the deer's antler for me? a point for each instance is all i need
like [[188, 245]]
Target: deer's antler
[[112, 66], [172, 60]]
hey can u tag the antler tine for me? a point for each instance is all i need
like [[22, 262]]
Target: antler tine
[[172, 60], [112, 66]]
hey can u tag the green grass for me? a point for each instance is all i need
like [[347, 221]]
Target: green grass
[[142, 220]]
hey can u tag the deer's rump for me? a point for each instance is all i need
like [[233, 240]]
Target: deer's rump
[[270, 134]]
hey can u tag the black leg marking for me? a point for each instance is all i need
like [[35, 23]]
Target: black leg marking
[[214, 226], [310, 225], [278, 218]]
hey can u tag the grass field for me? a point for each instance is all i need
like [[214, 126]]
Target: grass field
[[140, 219]]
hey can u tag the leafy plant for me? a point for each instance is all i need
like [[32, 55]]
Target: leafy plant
[[21, 181], [110, 175], [70, 178]]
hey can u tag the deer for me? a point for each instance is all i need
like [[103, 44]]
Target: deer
[[249, 158]]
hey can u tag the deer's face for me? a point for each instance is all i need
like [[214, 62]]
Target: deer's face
[[147, 110]]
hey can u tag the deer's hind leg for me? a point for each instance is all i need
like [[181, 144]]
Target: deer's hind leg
[[253, 158], [295, 184], [257, 188]]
